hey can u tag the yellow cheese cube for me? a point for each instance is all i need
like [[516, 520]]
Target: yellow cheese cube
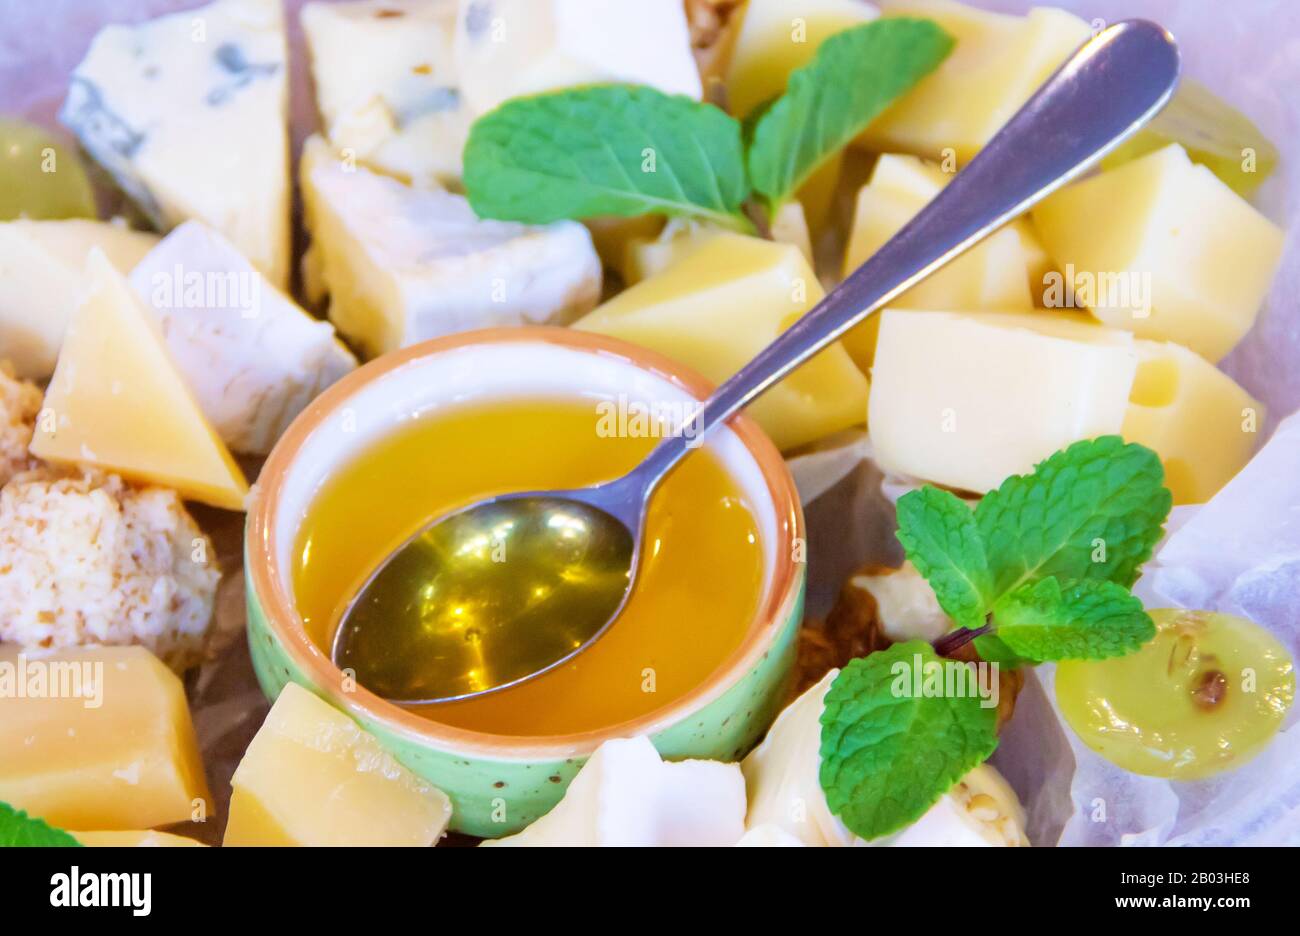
[[1164, 248], [98, 738], [311, 776], [993, 275], [41, 267], [774, 37], [721, 304], [967, 400], [136, 839], [997, 63], [116, 401], [1202, 424]]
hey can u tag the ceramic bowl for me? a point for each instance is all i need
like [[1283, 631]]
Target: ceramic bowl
[[499, 784]]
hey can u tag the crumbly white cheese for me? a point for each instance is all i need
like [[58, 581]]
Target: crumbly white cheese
[[20, 403], [87, 559]]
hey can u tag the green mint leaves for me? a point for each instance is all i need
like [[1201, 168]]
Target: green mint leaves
[[19, 830], [606, 150], [627, 150], [1048, 557], [889, 753], [854, 76]]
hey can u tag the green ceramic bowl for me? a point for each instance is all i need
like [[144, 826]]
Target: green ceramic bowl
[[499, 784]]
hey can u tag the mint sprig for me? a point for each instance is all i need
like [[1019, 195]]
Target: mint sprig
[[939, 534], [887, 753], [853, 77], [19, 830]]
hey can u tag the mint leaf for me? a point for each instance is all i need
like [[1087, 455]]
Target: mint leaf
[[940, 537], [992, 649], [887, 754], [1085, 620], [618, 150], [1093, 511], [19, 830], [854, 76]]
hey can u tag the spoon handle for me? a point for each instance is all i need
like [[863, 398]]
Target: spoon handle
[[1107, 90]]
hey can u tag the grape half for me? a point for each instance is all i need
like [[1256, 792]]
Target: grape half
[[1204, 696], [40, 177]]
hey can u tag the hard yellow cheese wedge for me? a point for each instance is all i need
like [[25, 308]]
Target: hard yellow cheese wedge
[[135, 839], [41, 267], [311, 776], [1201, 423], [967, 400], [117, 753], [116, 401], [997, 63], [1165, 249], [993, 275], [721, 304]]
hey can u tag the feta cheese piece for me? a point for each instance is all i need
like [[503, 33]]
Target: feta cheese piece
[[91, 560], [966, 400], [312, 776], [20, 402], [98, 738], [188, 114], [782, 779], [510, 48], [626, 795], [905, 604], [403, 265], [386, 84], [1165, 249], [117, 401], [253, 358], [41, 267], [768, 836]]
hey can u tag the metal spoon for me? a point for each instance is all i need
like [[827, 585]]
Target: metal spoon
[[470, 629]]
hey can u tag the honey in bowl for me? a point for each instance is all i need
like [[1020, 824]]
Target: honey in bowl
[[696, 592]]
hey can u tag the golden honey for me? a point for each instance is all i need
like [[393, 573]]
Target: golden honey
[[696, 592]]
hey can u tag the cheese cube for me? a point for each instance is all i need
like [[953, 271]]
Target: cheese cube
[[510, 48], [253, 358], [1202, 424], [626, 795], [997, 64], [41, 267], [722, 303], [98, 738], [774, 37], [116, 401], [403, 265], [1165, 249], [187, 112], [967, 400], [992, 275], [386, 84], [147, 838], [311, 776]]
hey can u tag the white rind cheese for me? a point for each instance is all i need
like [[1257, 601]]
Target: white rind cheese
[[509, 48], [386, 84], [403, 265], [187, 112], [253, 358]]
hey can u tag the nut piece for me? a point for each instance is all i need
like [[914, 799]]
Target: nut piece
[[20, 402]]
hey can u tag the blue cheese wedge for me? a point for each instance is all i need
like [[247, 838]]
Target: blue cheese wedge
[[508, 48], [187, 112], [402, 265], [386, 85], [253, 358]]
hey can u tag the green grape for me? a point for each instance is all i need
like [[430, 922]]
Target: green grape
[[1214, 133], [40, 177], [1204, 696]]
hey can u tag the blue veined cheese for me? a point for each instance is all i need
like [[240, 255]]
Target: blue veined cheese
[[253, 358], [187, 112], [402, 265], [508, 48], [386, 84]]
